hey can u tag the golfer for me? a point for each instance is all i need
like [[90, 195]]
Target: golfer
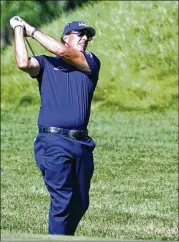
[[63, 150]]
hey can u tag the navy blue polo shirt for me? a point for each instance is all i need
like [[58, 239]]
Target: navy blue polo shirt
[[66, 92]]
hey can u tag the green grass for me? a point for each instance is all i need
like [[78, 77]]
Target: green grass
[[137, 43], [134, 188]]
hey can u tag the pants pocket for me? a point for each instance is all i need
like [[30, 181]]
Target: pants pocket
[[87, 162]]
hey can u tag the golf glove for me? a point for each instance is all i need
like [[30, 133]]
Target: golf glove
[[16, 21]]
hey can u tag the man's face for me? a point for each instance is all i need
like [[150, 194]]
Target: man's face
[[77, 39]]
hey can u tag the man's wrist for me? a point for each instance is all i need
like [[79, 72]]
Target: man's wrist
[[18, 26], [33, 32]]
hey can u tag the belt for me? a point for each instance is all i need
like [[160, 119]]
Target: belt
[[72, 133]]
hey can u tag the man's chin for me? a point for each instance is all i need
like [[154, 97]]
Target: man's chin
[[81, 48]]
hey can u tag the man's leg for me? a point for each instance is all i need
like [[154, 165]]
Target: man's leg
[[84, 171], [60, 186], [58, 170], [68, 182]]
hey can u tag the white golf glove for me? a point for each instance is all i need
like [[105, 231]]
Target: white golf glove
[[16, 21]]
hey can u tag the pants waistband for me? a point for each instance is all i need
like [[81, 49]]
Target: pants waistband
[[72, 133]]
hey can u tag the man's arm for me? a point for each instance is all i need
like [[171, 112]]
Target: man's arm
[[23, 61], [68, 54]]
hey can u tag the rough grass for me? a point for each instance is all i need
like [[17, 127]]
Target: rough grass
[[137, 44], [134, 191]]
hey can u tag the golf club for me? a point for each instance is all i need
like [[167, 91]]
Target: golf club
[[29, 46]]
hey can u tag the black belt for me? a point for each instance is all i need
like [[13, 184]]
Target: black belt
[[72, 133]]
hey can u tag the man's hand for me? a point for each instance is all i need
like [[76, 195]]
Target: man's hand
[[28, 29], [16, 21]]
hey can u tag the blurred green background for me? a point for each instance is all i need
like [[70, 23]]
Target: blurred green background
[[136, 42]]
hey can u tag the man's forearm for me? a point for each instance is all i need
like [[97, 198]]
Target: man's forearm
[[51, 44], [69, 55], [21, 54]]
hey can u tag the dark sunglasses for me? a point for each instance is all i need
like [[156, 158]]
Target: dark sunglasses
[[82, 33]]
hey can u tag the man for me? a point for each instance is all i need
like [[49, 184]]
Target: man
[[63, 149]]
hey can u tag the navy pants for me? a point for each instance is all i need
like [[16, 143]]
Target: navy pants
[[67, 168]]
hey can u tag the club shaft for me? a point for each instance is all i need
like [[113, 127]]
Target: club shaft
[[29, 46]]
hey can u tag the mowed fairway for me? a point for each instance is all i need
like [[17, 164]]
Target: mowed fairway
[[134, 187]]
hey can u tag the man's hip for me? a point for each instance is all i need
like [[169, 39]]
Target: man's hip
[[71, 133]]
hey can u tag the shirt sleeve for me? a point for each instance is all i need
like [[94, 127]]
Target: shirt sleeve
[[94, 64], [41, 60]]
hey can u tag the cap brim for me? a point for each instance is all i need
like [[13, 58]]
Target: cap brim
[[91, 30]]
